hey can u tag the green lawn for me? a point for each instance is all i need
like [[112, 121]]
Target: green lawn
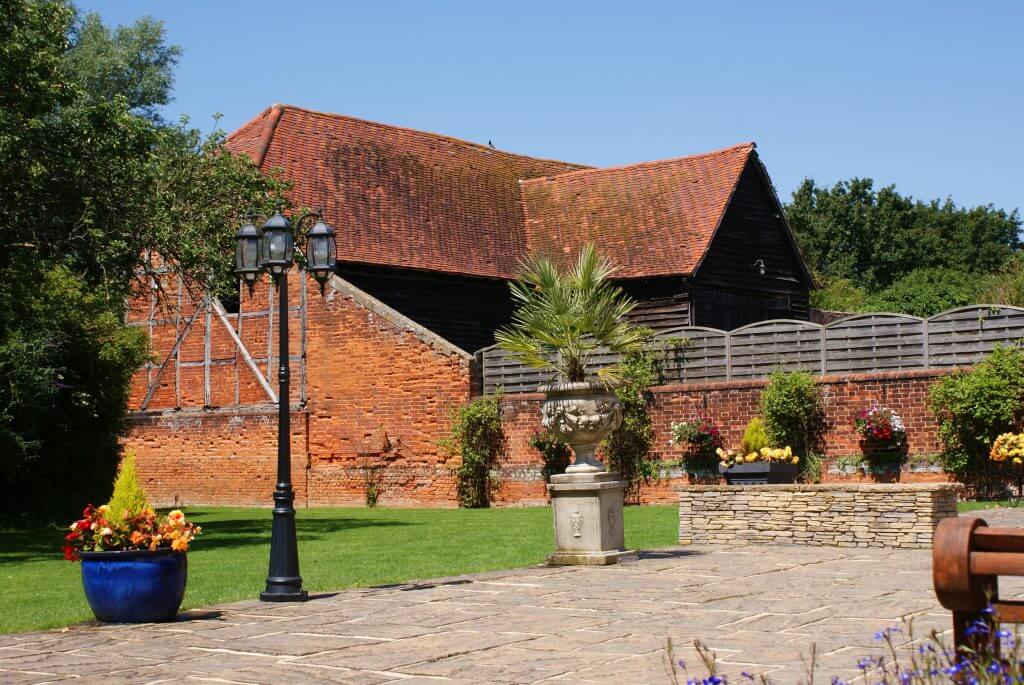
[[339, 548], [985, 504]]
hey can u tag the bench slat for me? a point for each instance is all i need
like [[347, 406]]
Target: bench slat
[[1009, 612], [999, 539], [997, 564]]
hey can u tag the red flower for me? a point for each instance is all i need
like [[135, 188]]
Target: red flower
[[69, 553]]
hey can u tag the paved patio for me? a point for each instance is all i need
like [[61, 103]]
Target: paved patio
[[759, 608]]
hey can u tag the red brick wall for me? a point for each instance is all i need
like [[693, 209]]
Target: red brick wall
[[731, 405], [380, 392]]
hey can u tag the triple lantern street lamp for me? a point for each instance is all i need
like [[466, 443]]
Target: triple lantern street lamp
[[272, 249]]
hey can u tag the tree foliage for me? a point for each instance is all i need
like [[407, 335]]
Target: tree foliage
[[873, 237], [134, 62], [924, 292], [94, 194]]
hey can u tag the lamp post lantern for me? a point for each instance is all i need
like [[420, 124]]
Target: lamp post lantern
[[272, 249]]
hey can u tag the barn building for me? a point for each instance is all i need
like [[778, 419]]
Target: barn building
[[430, 229]]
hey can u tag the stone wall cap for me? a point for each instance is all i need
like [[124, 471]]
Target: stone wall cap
[[827, 487], [562, 488]]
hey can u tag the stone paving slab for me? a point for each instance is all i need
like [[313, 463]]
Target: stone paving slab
[[759, 608]]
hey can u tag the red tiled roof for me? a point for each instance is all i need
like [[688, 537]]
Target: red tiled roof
[[400, 197], [651, 219]]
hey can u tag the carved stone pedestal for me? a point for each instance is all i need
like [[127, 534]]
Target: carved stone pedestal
[[588, 518]]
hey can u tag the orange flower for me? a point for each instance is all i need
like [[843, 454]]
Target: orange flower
[[180, 545], [137, 538]]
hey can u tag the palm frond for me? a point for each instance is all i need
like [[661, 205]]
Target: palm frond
[[563, 317]]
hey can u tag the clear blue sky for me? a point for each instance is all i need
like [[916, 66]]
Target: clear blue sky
[[926, 95]]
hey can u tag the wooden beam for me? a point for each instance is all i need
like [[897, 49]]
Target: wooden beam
[[173, 353], [218, 308]]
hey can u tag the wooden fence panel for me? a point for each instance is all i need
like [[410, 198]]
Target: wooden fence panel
[[693, 354], [875, 342], [863, 343], [964, 336], [778, 345]]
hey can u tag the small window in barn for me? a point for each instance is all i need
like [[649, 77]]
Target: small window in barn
[[231, 303]]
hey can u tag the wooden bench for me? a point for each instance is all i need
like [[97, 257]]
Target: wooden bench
[[967, 559]]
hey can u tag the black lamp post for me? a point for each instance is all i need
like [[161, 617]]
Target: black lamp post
[[272, 249]]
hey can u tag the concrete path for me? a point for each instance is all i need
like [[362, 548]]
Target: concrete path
[[758, 608]]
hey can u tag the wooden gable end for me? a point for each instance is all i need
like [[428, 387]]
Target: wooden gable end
[[729, 290]]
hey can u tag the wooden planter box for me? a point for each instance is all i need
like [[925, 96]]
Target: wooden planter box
[[760, 473]]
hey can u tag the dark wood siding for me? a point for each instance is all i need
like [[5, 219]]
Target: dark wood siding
[[463, 310], [662, 303], [728, 290]]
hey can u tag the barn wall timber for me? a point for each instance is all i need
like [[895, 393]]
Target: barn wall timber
[[728, 289], [463, 310], [662, 303]]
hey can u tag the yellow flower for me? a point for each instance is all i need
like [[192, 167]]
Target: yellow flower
[[176, 517], [1017, 460], [796, 460], [739, 459]]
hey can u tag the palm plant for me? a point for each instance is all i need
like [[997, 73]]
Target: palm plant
[[563, 318]]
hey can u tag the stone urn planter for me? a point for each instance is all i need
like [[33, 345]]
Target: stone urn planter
[[581, 415], [135, 586], [760, 473]]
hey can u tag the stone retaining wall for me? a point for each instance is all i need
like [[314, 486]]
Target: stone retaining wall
[[897, 515]]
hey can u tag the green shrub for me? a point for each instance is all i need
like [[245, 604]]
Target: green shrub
[[628, 448], [973, 407], [792, 411], [477, 437], [755, 436], [129, 499]]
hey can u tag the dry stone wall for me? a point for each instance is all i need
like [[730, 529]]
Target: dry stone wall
[[897, 515]]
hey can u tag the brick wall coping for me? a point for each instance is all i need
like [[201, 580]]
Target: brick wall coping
[[833, 379], [396, 318], [826, 487]]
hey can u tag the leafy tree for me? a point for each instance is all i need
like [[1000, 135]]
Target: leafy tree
[[94, 195], [874, 237], [134, 62], [1006, 286], [839, 295], [924, 292]]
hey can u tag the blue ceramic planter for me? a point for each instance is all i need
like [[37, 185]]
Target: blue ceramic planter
[[134, 587]]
